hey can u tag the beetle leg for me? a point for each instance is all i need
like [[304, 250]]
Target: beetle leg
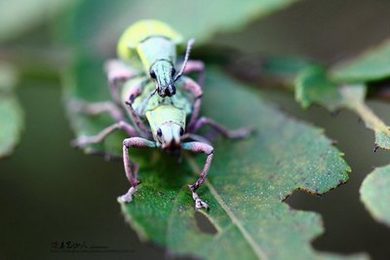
[[117, 73], [198, 147], [195, 112], [196, 90], [134, 92], [83, 141], [233, 134], [131, 169], [196, 66], [195, 137], [97, 108], [137, 119]]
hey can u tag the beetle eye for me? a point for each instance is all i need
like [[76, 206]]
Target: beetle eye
[[152, 74], [173, 72], [181, 130], [159, 132]]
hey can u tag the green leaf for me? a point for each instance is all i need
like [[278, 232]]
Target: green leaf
[[375, 194], [284, 67], [371, 65], [11, 114], [11, 121], [314, 86], [274, 71], [199, 19], [17, 16], [248, 180]]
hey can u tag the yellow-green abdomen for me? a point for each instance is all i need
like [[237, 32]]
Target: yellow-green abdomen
[[141, 31]]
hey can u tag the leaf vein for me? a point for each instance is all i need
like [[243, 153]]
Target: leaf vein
[[258, 251]]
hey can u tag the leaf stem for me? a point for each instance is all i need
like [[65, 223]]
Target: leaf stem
[[371, 120], [354, 100]]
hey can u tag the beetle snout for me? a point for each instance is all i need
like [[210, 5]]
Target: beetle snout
[[168, 91], [169, 136], [172, 146]]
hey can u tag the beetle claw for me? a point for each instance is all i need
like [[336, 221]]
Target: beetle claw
[[243, 133], [199, 203], [128, 197], [81, 142]]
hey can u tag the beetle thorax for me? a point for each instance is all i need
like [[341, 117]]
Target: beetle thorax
[[154, 49], [167, 124]]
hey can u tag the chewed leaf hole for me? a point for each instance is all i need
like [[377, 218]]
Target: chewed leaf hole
[[204, 224], [302, 199]]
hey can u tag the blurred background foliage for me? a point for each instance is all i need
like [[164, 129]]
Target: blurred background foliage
[[49, 191]]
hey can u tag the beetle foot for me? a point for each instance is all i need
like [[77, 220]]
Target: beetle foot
[[199, 204], [242, 133], [128, 197], [82, 141]]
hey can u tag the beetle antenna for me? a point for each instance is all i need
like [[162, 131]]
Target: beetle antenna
[[188, 50]]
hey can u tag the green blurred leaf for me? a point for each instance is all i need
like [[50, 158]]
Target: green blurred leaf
[[98, 24], [314, 86], [284, 68], [247, 184], [11, 122], [375, 194], [371, 65], [17, 16], [8, 77], [11, 114]]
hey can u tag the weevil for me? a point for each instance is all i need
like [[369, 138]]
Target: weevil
[[148, 48], [158, 122]]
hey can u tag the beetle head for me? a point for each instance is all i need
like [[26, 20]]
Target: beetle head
[[168, 135], [163, 72]]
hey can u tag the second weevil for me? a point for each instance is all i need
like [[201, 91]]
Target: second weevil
[[148, 49], [158, 122]]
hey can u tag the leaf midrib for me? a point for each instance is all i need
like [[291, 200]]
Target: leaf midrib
[[248, 238]]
